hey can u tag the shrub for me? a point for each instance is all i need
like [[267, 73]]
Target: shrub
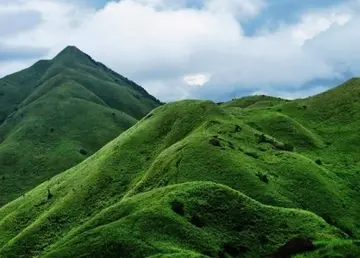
[[237, 129], [318, 161], [215, 142], [288, 147], [263, 177], [295, 246], [49, 195], [235, 251], [252, 154], [178, 207], [262, 138], [196, 221], [83, 152]]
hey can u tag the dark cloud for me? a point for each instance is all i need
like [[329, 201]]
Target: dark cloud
[[20, 53], [16, 22]]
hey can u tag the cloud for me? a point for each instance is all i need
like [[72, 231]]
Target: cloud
[[196, 79], [314, 24], [240, 8], [8, 53], [339, 46], [11, 23], [163, 44]]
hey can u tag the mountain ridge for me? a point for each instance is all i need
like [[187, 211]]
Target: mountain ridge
[[42, 106], [254, 177]]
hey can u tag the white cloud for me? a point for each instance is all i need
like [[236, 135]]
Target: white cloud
[[196, 79], [240, 8], [314, 24], [158, 42]]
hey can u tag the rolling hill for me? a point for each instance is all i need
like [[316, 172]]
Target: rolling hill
[[254, 177], [58, 112]]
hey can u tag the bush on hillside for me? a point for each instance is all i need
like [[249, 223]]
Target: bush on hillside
[[197, 221], [237, 129], [252, 154], [294, 246], [49, 196], [178, 207], [215, 142], [262, 138], [288, 147], [263, 177], [318, 161], [83, 152], [235, 251]]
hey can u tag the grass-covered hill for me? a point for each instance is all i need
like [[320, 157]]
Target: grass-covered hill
[[255, 177], [56, 113]]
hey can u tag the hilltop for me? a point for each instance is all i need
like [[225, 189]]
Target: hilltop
[[58, 112], [247, 178]]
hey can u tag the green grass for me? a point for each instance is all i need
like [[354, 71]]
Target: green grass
[[190, 179], [213, 216], [118, 201], [54, 109]]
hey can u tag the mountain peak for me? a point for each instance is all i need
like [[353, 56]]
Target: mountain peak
[[72, 54], [70, 50]]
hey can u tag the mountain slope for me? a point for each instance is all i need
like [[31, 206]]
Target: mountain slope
[[57, 112], [196, 179]]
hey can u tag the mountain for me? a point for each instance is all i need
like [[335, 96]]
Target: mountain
[[58, 112], [253, 177]]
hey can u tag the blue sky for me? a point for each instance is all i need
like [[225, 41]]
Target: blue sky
[[284, 11], [176, 49]]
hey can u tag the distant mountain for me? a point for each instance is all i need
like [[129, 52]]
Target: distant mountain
[[58, 112], [254, 177]]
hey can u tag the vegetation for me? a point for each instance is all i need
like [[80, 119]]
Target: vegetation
[[56, 113], [200, 179]]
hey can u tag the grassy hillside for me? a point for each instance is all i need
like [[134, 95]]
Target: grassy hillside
[[56, 113], [251, 178]]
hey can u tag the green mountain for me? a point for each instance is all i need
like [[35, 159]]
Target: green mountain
[[58, 112], [254, 177]]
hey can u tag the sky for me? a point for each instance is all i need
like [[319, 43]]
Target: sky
[[190, 49]]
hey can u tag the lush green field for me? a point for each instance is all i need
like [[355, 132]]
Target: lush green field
[[254, 177], [56, 113]]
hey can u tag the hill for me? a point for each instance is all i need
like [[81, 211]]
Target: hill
[[58, 112], [256, 177]]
